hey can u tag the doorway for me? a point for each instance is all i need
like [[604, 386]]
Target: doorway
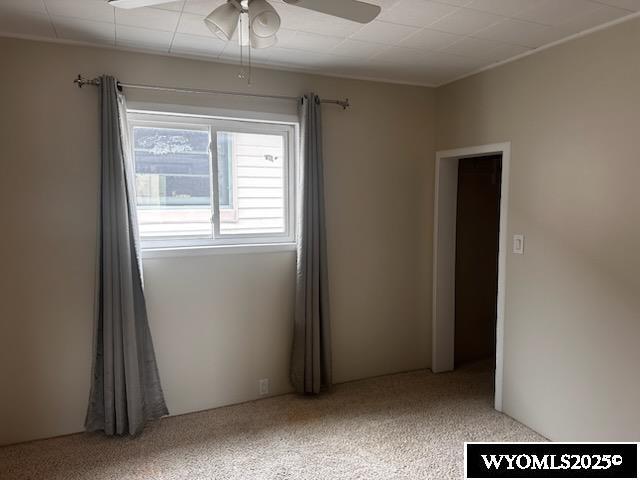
[[476, 287], [447, 267]]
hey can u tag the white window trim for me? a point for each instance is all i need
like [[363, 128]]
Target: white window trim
[[227, 243], [151, 253], [191, 111]]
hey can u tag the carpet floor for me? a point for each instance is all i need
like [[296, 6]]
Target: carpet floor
[[405, 426]]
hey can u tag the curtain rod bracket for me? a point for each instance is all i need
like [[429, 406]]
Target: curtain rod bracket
[[81, 81]]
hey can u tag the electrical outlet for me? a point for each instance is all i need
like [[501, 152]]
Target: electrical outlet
[[263, 386]]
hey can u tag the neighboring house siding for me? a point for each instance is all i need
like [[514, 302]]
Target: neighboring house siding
[[258, 185]]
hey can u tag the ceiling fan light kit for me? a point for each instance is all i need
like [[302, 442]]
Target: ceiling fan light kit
[[264, 21], [262, 42], [223, 21], [256, 21]]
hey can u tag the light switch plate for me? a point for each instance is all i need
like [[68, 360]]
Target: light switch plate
[[518, 244]]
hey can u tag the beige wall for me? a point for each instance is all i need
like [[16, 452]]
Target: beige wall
[[220, 322], [572, 322]]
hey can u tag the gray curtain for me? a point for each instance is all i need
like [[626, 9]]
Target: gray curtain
[[125, 385], [311, 357]]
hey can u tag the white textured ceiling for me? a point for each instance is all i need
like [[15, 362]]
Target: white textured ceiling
[[427, 42]]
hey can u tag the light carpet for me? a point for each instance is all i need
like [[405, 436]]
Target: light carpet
[[405, 426]]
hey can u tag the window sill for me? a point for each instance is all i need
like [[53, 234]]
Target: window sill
[[150, 253]]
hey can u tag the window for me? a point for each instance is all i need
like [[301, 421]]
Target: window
[[205, 181]]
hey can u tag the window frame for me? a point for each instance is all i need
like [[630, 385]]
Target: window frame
[[214, 124], [231, 211]]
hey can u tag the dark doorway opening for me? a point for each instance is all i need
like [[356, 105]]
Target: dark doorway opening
[[477, 244]]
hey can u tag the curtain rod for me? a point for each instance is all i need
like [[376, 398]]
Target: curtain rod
[[81, 81]]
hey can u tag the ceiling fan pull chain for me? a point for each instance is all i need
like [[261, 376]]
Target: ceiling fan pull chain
[[249, 75], [241, 73]]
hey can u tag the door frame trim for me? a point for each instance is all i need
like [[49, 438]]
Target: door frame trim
[[444, 252]]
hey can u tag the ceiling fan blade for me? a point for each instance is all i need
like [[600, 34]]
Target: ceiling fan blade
[[136, 3], [354, 10]]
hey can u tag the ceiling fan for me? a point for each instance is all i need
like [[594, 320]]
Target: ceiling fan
[[258, 20]]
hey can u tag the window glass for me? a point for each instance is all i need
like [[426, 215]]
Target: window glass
[[173, 181]]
